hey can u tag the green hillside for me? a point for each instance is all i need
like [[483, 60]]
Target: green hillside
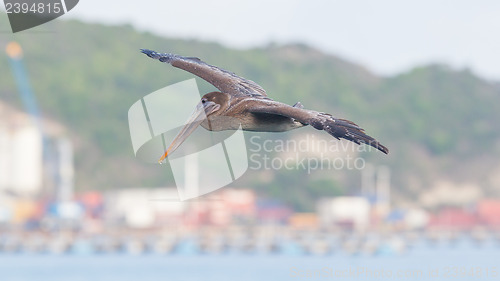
[[439, 123]]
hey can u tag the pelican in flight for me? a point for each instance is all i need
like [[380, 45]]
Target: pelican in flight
[[245, 104]]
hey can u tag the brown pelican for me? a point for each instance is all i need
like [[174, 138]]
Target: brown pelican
[[249, 107]]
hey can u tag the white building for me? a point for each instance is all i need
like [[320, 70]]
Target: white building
[[346, 210], [21, 152], [144, 207]]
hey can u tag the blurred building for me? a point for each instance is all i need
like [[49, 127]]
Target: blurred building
[[488, 211], [231, 206], [33, 165], [271, 211], [21, 152], [143, 208], [346, 212], [453, 218], [304, 220], [416, 218]]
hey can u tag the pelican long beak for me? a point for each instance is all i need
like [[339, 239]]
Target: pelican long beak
[[199, 115]]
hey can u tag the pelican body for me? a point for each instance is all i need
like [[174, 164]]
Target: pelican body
[[240, 109], [243, 103]]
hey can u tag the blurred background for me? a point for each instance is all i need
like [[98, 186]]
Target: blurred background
[[423, 78]]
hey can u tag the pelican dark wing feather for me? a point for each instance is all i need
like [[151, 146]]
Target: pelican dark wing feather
[[224, 80], [339, 128]]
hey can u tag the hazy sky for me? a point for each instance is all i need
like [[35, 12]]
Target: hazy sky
[[387, 36]]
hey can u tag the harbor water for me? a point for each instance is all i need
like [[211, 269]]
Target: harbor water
[[463, 260]]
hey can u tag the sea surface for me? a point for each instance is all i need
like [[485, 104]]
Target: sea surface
[[422, 262]]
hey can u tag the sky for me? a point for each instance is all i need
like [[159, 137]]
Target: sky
[[386, 36]]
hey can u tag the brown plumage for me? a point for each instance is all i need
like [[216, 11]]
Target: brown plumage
[[244, 103]]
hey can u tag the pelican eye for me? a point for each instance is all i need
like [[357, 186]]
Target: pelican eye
[[203, 100]]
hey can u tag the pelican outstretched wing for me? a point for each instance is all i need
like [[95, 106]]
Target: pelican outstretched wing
[[224, 80], [339, 128]]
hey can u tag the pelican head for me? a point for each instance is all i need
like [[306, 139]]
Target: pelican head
[[208, 106]]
